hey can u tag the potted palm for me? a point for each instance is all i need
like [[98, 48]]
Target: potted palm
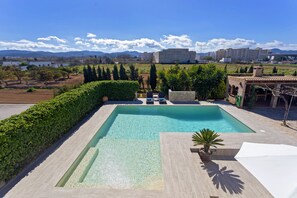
[[207, 138]]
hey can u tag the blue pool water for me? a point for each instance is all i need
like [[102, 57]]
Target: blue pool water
[[128, 147]]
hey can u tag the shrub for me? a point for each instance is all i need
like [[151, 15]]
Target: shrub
[[206, 79], [65, 88], [23, 137], [219, 91], [31, 89]]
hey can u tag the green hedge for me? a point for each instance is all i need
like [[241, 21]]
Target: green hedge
[[120, 90], [23, 137]]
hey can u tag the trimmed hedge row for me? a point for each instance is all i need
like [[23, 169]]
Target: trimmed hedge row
[[23, 137]]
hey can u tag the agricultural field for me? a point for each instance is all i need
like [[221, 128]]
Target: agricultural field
[[231, 68], [21, 96], [15, 92]]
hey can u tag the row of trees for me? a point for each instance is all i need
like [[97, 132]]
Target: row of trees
[[97, 74], [207, 80], [249, 69]]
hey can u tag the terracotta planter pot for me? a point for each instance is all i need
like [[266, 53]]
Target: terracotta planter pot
[[105, 99], [205, 157]]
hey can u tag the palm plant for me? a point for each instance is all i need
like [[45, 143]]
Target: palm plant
[[207, 138]]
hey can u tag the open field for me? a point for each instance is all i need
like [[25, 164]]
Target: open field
[[74, 80], [21, 96], [231, 68]]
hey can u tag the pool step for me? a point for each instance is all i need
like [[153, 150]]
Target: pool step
[[82, 168]]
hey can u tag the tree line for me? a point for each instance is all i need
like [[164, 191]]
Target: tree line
[[42, 74], [249, 69]]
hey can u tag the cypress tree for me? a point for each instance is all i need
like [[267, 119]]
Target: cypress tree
[[295, 73], [251, 69], [133, 72], [90, 76], [245, 69], [108, 76], [153, 76], [274, 70], [115, 72], [123, 75], [104, 74], [94, 75], [225, 69], [86, 80], [99, 73], [241, 70]]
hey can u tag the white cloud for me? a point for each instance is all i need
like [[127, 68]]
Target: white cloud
[[77, 39], [91, 35], [182, 41], [34, 46], [90, 42], [221, 43], [115, 45], [52, 38]]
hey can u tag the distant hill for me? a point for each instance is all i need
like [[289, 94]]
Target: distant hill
[[39, 54], [278, 51]]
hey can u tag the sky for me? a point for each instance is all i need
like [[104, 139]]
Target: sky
[[147, 25]]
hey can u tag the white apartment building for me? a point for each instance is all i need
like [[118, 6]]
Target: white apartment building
[[11, 63], [174, 56], [40, 63], [242, 54]]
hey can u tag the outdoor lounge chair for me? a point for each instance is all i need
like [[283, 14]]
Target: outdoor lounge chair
[[162, 99], [149, 98]]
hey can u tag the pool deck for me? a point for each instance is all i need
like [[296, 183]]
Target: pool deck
[[184, 173]]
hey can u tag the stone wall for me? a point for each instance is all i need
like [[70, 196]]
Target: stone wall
[[181, 96]]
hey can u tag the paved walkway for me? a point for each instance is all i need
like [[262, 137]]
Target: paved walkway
[[184, 174], [7, 110]]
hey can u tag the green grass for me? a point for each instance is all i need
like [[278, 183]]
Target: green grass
[[231, 68]]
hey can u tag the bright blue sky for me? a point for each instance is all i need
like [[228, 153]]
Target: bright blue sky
[[147, 25]]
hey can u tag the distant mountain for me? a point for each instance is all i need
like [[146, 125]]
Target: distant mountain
[[39, 54], [279, 51]]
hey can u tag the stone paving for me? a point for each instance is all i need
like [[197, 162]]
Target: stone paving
[[7, 110]]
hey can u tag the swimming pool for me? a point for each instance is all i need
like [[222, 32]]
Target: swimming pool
[[125, 152]]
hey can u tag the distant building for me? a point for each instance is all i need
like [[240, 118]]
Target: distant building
[[60, 64], [11, 63], [41, 63], [226, 60], [242, 54], [146, 56], [174, 56], [23, 68]]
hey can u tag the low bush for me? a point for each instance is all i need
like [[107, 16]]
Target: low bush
[[31, 89], [65, 88], [23, 137]]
